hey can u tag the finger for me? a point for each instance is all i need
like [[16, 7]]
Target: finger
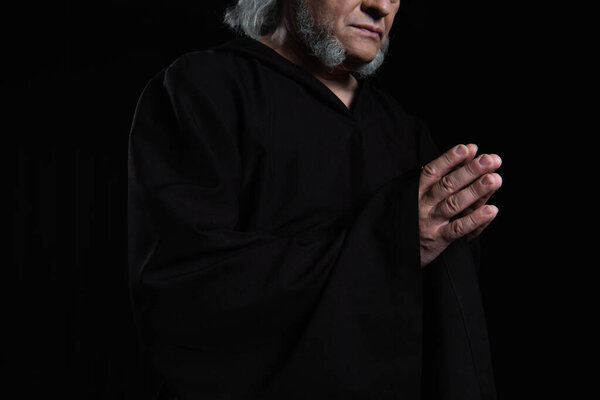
[[478, 231], [461, 177], [458, 202], [472, 152], [469, 223], [478, 203], [436, 169], [475, 205]]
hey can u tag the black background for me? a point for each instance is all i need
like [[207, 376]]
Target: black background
[[476, 71]]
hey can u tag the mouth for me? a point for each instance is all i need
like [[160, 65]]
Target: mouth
[[370, 30]]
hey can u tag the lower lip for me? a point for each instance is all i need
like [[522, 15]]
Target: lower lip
[[367, 32]]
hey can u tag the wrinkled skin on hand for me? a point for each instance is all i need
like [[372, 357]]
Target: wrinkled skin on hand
[[453, 191]]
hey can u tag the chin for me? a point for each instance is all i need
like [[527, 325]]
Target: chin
[[362, 54], [362, 49]]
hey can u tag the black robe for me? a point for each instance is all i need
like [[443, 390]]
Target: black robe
[[274, 244]]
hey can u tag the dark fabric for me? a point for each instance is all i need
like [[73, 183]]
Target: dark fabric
[[273, 241]]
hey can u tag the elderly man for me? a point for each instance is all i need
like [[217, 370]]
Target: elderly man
[[293, 232]]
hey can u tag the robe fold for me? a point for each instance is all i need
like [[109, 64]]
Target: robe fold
[[274, 244]]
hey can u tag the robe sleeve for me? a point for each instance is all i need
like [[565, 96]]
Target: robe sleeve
[[232, 314], [456, 358]]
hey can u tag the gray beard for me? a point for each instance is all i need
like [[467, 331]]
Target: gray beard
[[326, 47]]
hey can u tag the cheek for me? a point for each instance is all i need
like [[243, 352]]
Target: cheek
[[388, 25], [389, 21]]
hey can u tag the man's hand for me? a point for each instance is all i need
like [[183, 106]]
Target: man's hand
[[453, 190]]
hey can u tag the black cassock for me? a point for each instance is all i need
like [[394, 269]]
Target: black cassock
[[274, 246]]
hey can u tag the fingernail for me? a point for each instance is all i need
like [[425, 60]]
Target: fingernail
[[486, 180], [461, 150], [484, 160], [487, 210]]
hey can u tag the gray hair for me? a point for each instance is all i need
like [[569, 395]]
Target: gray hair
[[254, 18], [318, 38]]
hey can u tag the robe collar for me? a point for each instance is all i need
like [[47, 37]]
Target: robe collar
[[253, 48]]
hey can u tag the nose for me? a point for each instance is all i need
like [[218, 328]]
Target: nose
[[378, 8]]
